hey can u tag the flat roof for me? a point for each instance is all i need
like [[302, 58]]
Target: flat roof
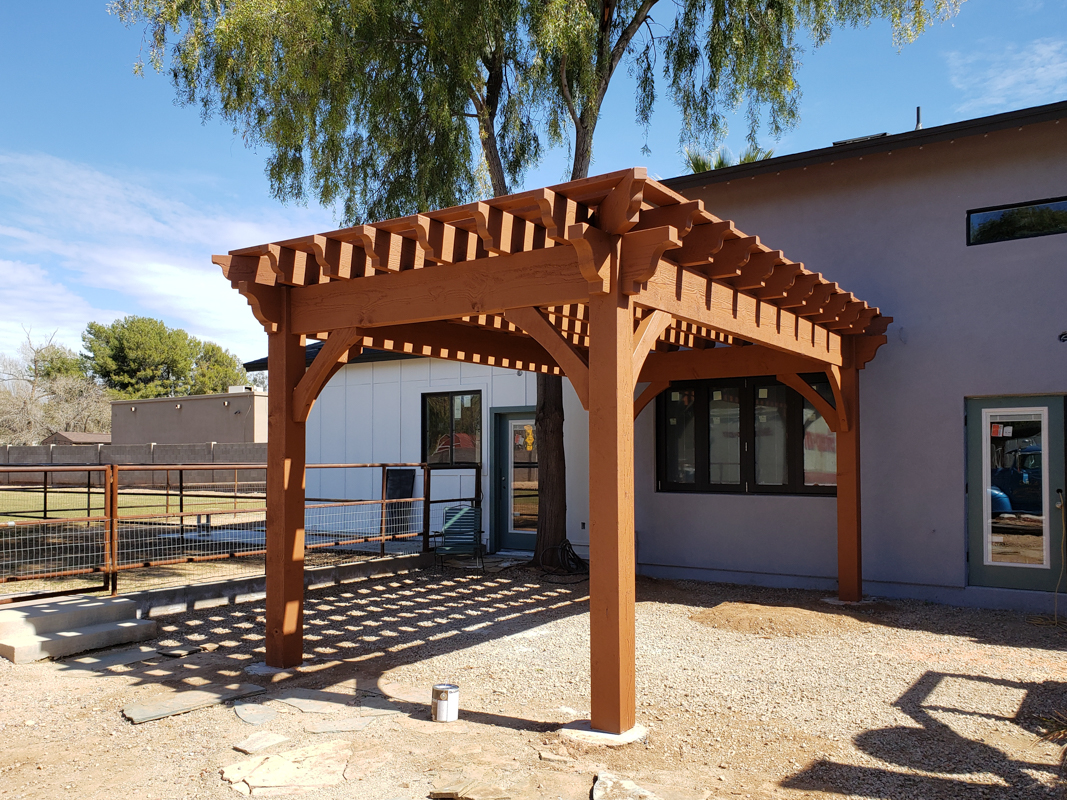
[[868, 145]]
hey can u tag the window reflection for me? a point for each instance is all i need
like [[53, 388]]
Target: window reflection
[[771, 408], [680, 442], [1015, 525], [724, 415]]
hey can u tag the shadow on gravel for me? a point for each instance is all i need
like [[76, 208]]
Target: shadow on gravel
[[982, 626], [934, 747], [363, 628]]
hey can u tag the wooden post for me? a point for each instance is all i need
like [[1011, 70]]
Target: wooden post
[[849, 551], [285, 496], [611, 512]]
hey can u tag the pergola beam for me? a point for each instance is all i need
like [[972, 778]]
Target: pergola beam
[[484, 286], [689, 296]]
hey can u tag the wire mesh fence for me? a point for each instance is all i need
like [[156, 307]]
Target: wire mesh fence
[[128, 528]]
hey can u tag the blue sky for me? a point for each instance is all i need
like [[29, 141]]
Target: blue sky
[[113, 198]]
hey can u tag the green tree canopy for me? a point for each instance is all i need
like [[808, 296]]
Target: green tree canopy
[[142, 357], [388, 106]]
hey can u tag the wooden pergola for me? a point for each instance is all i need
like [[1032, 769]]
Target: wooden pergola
[[614, 281]]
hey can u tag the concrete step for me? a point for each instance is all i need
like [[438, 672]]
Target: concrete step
[[63, 614], [25, 647]]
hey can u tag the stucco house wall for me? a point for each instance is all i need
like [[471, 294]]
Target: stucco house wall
[[969, 321]]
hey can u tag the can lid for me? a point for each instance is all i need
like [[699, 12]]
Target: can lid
[[444, 687]]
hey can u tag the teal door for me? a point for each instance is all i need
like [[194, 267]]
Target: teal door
[[515, 481], [1015, 464]]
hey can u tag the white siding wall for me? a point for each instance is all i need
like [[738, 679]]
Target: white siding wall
[[372, 413]]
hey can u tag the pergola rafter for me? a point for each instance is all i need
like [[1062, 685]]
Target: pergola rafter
[[613, 281]]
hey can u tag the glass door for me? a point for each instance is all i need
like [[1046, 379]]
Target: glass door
[[515, 469], [1015, 455]]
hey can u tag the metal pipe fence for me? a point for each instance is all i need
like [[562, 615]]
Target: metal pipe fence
[[133, 527]]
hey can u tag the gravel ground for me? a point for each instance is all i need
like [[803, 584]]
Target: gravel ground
[[746, 692]]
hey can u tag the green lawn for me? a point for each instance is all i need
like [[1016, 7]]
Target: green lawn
[[28, 502]]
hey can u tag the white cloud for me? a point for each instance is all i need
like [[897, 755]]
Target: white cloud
[[999, 77], [91, 239], [35, 304]]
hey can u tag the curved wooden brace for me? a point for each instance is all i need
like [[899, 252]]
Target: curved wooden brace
[[833, 372], [805, 390], [574, 364], [641, 253], [648, 331], [649, 394], [335, 353], [595, 251]]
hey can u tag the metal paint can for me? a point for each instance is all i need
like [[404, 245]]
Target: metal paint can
[[444, 702]]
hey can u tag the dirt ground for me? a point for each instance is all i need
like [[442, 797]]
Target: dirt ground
[[746, 692]]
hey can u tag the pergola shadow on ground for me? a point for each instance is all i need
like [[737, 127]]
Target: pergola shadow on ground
[[614, 281], [363, 629], [368, 629]]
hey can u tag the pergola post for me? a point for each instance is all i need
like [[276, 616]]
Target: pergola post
[[849, 551], [611, 512], [285, 494]]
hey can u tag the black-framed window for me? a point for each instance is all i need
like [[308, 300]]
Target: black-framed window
[[751, 435], [1017, 221], [452, 428]]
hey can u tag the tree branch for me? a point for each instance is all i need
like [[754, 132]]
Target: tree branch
[[619, 50], [567, 92]]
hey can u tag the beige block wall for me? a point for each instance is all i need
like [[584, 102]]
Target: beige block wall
[[240, 417]]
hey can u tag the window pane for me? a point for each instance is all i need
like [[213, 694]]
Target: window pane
[[771, 403], [523, 477], [1016, 525], [820, 447], [438, 429], [724, 439], [680, 444], [1018, 222], [467, 424]]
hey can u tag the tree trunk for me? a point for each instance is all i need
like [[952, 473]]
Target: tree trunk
[[551, 471]]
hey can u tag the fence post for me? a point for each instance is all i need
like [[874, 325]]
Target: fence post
[[181, 502], [44, 482], [425, 508], [113, 525], [381, 535]]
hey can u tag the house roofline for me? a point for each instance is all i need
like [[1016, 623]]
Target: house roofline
[[876, 144]]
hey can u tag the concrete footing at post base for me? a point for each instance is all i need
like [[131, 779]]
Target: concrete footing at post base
[[581, 730]]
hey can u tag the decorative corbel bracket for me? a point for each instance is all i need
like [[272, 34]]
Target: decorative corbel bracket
[[641, 254], [265, 302], [597, 255], [571, 361], [620, 210], [335, 353]]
